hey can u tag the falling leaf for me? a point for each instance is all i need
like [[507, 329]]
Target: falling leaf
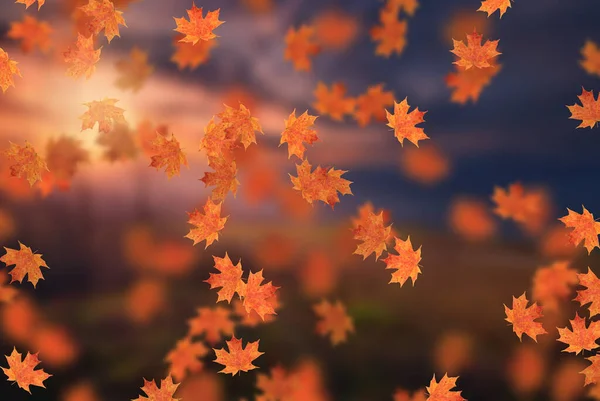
[[7, 292], [218, 141], [373, 233], [32, 33], [453, 351], [334, 321], [191, 55], [198, 27], [567, 383], [406, 262], [279, 387], [207, 225], [63, 157], [164, 393], [229, 278], [390, 35], [256, 296], [241, 124], [468, 84], [471, 219], [30, 2], [104, 16], [580, 337], [146, 134], [523, 318], [585, 228], [588, 112], [408, 6], [334, 102], [528, 207], [167, 154], [105, 113], [442, 391], [592, 372], [119, 144], [526, 369], [321, 184], [300, 47], [591, 58], [404, 123], [553, 283], [224, 178], [426, 164], [319, 274], [25, 162], [237, 358], [591, 294], [82, 391], [335, 29], [297, 131], [259, 6], [474, 54], [404, 395], [8, 68], [83, 58], [134, 71], [26, 263], [23, 371], [372, 104], [212, 322], [490, 6], [145, 300], [183, 359]]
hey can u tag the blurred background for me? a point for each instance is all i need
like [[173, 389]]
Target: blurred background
[[123, 281]]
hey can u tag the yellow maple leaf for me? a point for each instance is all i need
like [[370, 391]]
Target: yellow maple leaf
[[25, 162], [8, 68], [105, 113], [167, 154], [83, 57], [134, 71]]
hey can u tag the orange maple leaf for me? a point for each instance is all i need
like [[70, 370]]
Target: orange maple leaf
[[224, 178], [104, 16], [240, 124], [104, 112], [191, 55], [390, 35], [30, 2], [26, 263], [373, 233], [333, 321], [25, 162], [119, 143], [259, 6], [490, 6], [468, 84], [406, 262], [588, 112], [229, 278], [297, 131], [408, 6], [63, 156], [279, 387], [523, 318], [471, 219], [32, 33], [516, 203], [300, 47], [427, 165], [213, 322], [591, 293], [333, 102], [580, 337], [404, 123], [134, 71], [336, 29], [7, 292], [404, 395], [8, 68], [256, 296], [372, 104], [473, 54], [198, 27], [167, 154], [553, 283], [164, 393], [321, 184], [442, 391], [585, 228], [252, 319], [184, 358], [237, 358], [591, 58], [218, 141], [592, 372], [22, 371], [83, 58], [207, 225]]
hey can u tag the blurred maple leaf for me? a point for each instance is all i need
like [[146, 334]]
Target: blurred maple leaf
[[523, 318], [82, 391], [591, 58], [259, 6], [55, 344], [333, 321], [591, 294], [442, 390], [453, 351], [528, 207], [167, 154], [8, 68], [63, 156], [183, 359], [279, 387], [464, 20], [406, 262], [553, 283], [20, 320], [404, 123], [319, 274], [468, 84], [405, 395], [333, 102], [566, 384], [104, 16], [585, 228], [145, 299], [204, 386], [321, 184], [257, 296], [490, 6], [372, 104], [7, 292], [297, 130], [580, 337], [134, 71], [213, 322], [224, 178], [105, 113], [25, 162], [32, 33], [229, 278], [119, 143], [588, 112], [592, 372], [426, 165], [237, 358], [164, 393], [526, 369], [391, 34], [218, 141], [83, 58], [473, 54], [22, 371], [146, 134], [26, 263], [198, 27], [191, 55], [300, 47], [207, 225], [555, 244], [371, 230], [335, 29]]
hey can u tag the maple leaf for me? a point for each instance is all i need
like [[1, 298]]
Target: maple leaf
[[237, 358], [585, 228], [104, 16], [373, 233], [258, 6], [191, 55], [591, 293], [119, 143], [207, 225], [164, 393], [553, 283], [474, 54], [442, 391], [22, 371], [32, 33], [104, 112], [588, 112], [167, 154], [25, 162], [279, 387], [26, 263], [8, 68], [580, 337], [224, 178], [372, 104], [591, 58], [213, 322], [218, 141], [468, 84], [297, 131], [134, 71], [7, 292], [30, 2], [490, 6], [390, 35], [184, 358], [198, 27], [517, 203], [523, 318], [252, 319], [241, 124], [334, 321], [63, 155], [333, 102], [592, 372], [256, 296], [408, 6], [83, 58], [229, 278], [336, 29], [404, 123], [427, 165], [300, 47], [321, 184], [406, 262], [404, 395]]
